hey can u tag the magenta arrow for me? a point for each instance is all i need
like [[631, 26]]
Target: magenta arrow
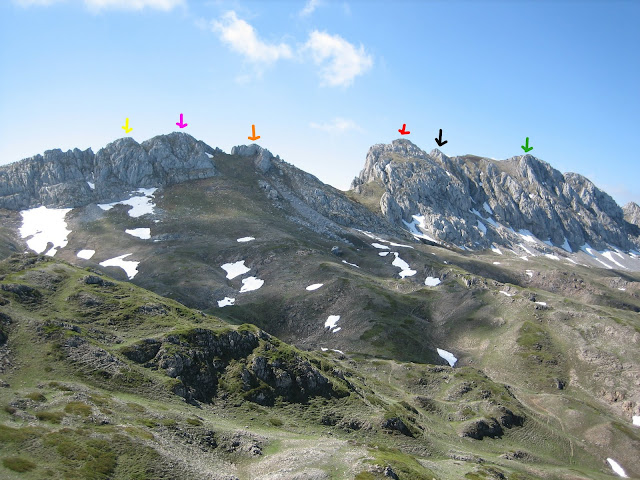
[[181, 124]]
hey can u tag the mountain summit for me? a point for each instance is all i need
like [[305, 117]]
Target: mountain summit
[[475, 202]]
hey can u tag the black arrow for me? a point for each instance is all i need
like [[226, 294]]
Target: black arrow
[[439, 140]]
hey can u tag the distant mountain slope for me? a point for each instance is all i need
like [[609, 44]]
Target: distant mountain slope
[[258, 241], [476, 202]]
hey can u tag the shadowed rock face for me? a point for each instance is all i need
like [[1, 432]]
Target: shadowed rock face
[[519, 193], [200, 358], [61, 178]]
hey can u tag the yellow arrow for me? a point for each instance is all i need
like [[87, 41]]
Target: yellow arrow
[[126, 128]]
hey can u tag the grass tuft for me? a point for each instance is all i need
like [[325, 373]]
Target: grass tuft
[[18, 464]]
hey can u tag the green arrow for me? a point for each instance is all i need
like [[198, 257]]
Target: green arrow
[[526, 146]]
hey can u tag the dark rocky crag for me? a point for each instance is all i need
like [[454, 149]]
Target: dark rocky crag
[[521, 193]]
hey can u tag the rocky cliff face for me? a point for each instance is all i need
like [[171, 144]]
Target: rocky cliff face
[[632, 213], [476, 202], [75, 178]]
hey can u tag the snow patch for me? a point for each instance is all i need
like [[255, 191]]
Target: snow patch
[[383, 254], [315, 286], [245, 239], [331, 323], [432, 281], [529, 272], [506, 293], [92, 185], [418, 220], [496, 263], [448, 356], [615, 466], [226, 301], [85, 254], [521, 245], [352, 264], [405, 270], [636, 420], [495, 249], [141, 204], [399, 245], [45, 225], [208, 154], [487, 208], [379, 245], [143, 233], [566, 245], [129, 266], [544, 304], [251, 283], [482, 227], [551, 256], [235, 269], [527, 236], [609, 256]]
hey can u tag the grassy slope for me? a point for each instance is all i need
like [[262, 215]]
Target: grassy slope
[[75, 421]]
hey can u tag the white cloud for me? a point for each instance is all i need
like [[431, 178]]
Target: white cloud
[[310, 7], [340, 61], [165, 5], [336, 126], [242, 38]]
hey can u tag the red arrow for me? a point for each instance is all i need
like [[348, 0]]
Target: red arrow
[[403, 131], [181, 124]]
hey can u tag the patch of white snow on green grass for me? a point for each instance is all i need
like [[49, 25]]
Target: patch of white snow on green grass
[[141, 204], [432, 281], [245, 239], [143, 233], [315, 286], [226, 301], [405, 270], [235, 269], [352, 264], [251, 283], [331, 323], [85, 254], [129, 266], [45, 225], [615, 466], [448, 356]]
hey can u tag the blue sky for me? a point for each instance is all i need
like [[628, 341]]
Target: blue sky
[[324, 80]]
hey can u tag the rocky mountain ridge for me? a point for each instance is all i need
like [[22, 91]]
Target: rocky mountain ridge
[[76, 178], [467, 201], [476, 202]]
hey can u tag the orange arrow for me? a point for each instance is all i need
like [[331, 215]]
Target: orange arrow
[[253, 132]]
